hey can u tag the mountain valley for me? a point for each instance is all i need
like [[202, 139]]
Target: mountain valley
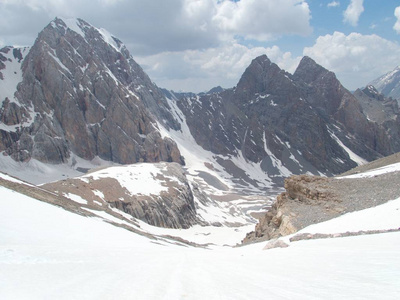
[[145, 181]]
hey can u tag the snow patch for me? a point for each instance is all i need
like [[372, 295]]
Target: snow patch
[[58, 61], [354, 157], [277, 163], [74, 25], [108, 38], [98, 194], [137, 179], [75, 198]]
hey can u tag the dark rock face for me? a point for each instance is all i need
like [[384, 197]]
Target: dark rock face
[[82, 92], [305, 122], [383, 111]]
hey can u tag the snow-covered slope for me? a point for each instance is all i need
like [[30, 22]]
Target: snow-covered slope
[[47, 253], [385, 217], [395, 167], [37, 172]]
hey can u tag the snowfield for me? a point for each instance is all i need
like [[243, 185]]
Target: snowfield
[[138, 178], [49, 253]]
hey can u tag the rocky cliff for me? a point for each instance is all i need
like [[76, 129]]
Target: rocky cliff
[[81, 92], [383, 111]]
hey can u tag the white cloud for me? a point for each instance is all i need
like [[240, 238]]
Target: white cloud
[[334, 4], [158, 25], [197, 71], [396, 26], [353, 12], [355, 58], [263, 19]]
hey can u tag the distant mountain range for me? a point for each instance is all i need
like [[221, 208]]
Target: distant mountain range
[[77, 96]]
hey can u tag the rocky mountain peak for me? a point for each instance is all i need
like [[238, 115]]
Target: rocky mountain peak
[[216, 89], [389, 83], [262, 76], [120, 63], [375, 105], [372, 92], [85, 95], [78, 27], [309, 71]]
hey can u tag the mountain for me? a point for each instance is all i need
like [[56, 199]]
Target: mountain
[[376, 106], [382, 110], [285, 124], [389, 84], [81, 94]]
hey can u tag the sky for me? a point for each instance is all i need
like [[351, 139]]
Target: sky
[[195, 45]]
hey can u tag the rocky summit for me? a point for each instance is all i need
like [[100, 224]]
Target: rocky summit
[[82, 93]]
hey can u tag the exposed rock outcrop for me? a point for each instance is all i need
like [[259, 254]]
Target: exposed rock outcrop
[[158, 194], [382, 110], [312, 199], [289, 212]]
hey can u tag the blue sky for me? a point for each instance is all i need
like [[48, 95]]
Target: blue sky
[[377, 18], [194, 45]]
